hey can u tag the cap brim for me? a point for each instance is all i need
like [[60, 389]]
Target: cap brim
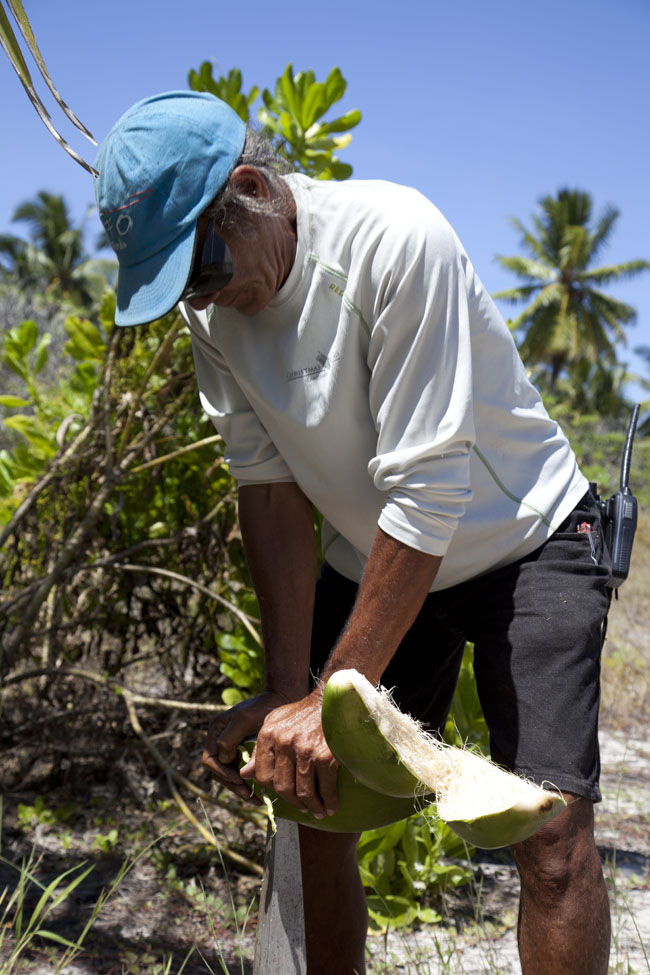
[[148, 290]]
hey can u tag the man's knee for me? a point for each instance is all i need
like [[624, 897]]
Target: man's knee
[[562, 853]]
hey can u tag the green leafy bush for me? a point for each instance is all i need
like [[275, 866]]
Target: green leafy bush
[[598, 443], [403, 866], [242, 659], [292, 116]]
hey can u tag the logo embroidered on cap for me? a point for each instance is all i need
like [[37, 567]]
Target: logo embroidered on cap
[[122, 224]]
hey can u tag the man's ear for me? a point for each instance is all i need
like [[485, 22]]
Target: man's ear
[[248, 180]]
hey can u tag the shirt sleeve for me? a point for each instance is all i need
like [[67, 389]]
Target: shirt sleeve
[[251, 455], [421, 381]]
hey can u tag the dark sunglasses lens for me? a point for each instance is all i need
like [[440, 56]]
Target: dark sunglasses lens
[[213, 271], [210, 279]]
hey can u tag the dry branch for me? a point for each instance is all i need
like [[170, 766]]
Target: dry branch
[[241, 616], [162, 351], [130, 700], [70, 550], [176, 453]]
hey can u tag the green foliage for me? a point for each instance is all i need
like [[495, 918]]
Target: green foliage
[[402, 864], [292, 113], [86, 342], [598, 444], [25, 928], [106, 842], [242, 659], [227, 88], [291, 116], [136, 963], [192, 890], [26, 357], [109, 445], [40, 429], [19, 346], [21, 932], [41, 814], [466, 725]]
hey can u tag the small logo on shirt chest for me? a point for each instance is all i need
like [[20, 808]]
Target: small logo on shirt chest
[[323, 364]]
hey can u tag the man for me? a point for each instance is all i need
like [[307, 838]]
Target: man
[[351, 359]]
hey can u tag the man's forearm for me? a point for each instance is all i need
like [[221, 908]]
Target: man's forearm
[[277, 528], [291, 756], [394, 585]]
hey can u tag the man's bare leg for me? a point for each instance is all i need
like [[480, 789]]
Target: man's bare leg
[[564, 919], [336, 917]]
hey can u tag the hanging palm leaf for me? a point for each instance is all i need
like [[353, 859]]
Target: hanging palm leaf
[[12, 50]]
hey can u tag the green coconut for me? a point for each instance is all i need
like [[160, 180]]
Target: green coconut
[[359, 807], [389, 752]]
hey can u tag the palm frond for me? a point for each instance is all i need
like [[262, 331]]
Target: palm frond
[[615, 312], [528, 240], [604, 229], [515, 295], [592, 340], [11, 48], [574, 248], [615, 272], [11, 245], [548, 298], [20, 16], [545, 240], [544, 337], [568, 207], [525, 267]]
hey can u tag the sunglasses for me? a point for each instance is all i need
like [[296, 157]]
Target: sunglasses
[[211, 268]]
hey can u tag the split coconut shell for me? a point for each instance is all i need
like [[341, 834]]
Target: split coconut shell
[[390, 754]]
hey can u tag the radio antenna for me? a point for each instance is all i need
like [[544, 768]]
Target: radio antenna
[[627, 451]]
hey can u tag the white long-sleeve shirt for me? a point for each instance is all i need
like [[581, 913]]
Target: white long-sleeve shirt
[[383, 380]]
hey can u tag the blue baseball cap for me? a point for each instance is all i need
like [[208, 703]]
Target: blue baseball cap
[[159, 167]]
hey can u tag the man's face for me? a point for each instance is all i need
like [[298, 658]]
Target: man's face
[[260, 263]]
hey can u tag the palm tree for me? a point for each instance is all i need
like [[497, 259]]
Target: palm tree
[[569, 319], [20, 262], [54, 257]]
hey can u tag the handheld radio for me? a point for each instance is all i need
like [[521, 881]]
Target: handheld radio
[[619, 514]]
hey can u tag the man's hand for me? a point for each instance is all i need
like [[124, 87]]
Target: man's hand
[[228, 730], [292, 758]]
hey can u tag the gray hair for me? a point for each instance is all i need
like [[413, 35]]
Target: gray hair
[[234, 209]]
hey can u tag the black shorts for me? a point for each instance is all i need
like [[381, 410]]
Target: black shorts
[[537, 628]]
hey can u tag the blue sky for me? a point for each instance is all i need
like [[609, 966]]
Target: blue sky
[[484, 107]]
